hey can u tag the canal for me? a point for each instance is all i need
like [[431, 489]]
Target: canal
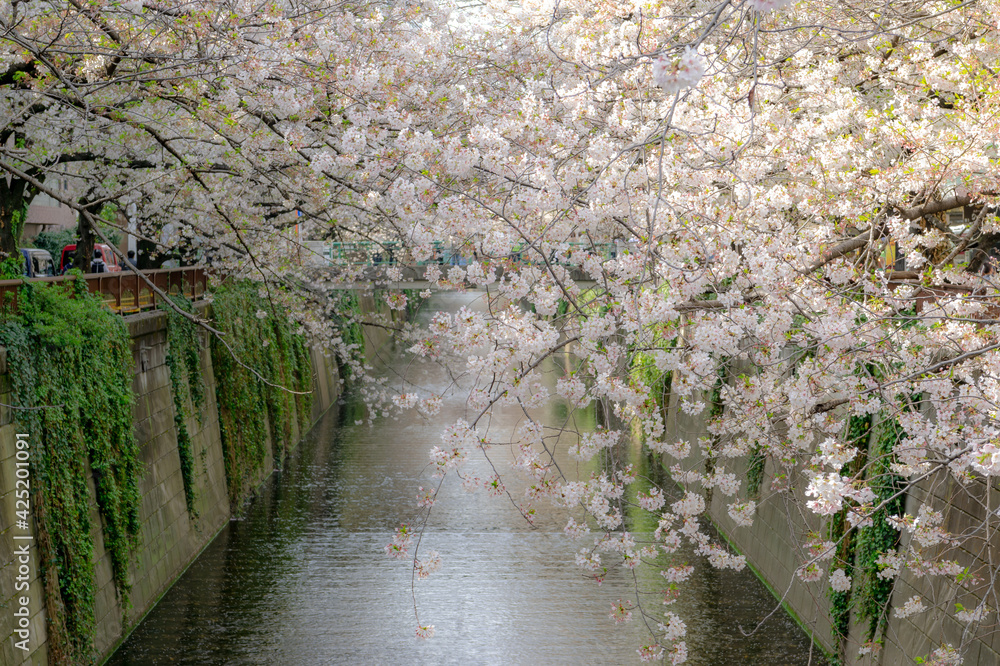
[[302, 576]]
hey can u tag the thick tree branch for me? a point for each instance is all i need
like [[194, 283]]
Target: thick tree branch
[[954, 201], [847, 246], [946, 364]]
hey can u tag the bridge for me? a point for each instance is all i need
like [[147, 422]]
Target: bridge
[[374, 258], [374, 253]]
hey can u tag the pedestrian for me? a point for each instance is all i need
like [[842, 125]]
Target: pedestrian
[[98, 265]]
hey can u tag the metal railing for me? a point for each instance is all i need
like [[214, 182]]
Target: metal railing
[[125, 292]]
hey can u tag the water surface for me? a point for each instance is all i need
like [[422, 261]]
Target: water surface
[[302, 577]]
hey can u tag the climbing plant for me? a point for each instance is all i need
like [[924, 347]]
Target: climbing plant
[[858, 434], [873, 592], [716, 408], [346, 316], [755, 470], [262, 369], [12, 266], [301, 364], [187, 386], [70, 367], [644, 369]]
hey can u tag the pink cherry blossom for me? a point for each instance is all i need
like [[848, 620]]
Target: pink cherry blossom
[[674, 75]]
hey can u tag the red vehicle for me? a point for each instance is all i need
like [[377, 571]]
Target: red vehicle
[[111, 261]]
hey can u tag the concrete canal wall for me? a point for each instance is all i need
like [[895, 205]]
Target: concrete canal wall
[[171, 537], [772, 546]]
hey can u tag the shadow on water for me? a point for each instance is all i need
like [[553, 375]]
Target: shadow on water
[[302, 577]]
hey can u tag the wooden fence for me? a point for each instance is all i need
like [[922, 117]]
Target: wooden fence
[[125, 292]]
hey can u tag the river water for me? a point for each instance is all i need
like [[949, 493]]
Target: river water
[[302, 577]]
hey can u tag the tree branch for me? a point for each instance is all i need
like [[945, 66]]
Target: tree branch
[[954, 201], [846, 247]]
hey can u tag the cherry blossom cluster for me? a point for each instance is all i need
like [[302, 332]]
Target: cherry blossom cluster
[[401, 540]]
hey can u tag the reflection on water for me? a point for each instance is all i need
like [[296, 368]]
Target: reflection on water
[[303, 578]]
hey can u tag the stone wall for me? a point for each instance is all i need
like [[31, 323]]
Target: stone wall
[[16, 573], [770, 544], [379, 340], [965, 509], [171, 538]]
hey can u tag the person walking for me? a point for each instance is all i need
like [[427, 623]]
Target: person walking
[[97, 265]]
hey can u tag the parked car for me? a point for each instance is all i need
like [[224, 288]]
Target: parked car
[[111, 262], [37, 263]]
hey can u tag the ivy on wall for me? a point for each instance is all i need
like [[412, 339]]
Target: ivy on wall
[[303, 379], [70, 366], [716, 407], [413, 302], [858, 550], [873, 593], [257, 340], [858, 434], [187, 386], [351, 331], [644, 369], [71, 359], [659, 382], [755, 470]]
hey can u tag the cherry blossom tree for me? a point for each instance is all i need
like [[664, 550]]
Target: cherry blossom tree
[[804, 204], [223, 122], [777, 218]]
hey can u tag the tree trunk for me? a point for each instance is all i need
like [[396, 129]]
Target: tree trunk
[[13, 210], [84, 246]]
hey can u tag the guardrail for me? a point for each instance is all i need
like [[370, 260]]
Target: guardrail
[[125, 292]]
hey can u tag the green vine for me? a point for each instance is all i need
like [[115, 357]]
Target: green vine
[[562, 308], [303, 381], [17, 220], [873, 592], [257, 360], [755, 470], [187, 386], [346, 317], [658, 381], [12, 266], [413, 302], [858, 434], [644, 370], [716, 408], [68, 354], [840, 601]]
